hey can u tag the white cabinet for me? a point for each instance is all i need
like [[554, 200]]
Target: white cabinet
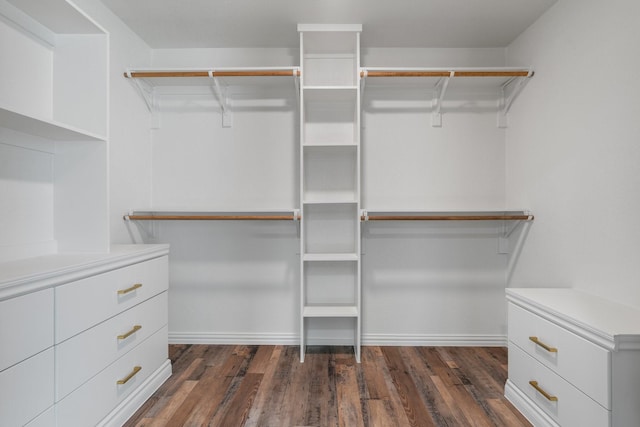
[[330, 184], [110, 312], [574, 358], [53, 130]]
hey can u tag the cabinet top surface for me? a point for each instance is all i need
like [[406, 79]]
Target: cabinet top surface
[[582, 310], [28, 275]]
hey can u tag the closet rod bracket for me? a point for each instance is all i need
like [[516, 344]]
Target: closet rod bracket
[[505, 101], [148, 94], [441, 90], [223, 99]]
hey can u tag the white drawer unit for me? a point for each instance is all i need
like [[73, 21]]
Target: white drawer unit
[[83, 356], [84, 303], [110, 317], [92, 402], [574, 358], [26, 389], [22, 332]]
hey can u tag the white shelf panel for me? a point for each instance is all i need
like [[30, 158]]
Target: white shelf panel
[[330, 311], [330, 93], [44, 128], [330, 257], [329, 144], [329, 199]]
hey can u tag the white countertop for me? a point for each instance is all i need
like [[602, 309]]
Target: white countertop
[[31, 274]]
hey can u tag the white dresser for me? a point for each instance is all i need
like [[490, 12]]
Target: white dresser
[[574, 359], [84, 337]]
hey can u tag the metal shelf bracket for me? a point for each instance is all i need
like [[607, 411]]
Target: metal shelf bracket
[[148, 94], [505, 101], [441, 90], [222, 97]]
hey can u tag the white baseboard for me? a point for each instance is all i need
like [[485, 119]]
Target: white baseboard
[[531, 412], [367, 339], [135, 400]]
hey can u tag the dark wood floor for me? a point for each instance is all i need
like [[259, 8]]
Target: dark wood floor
[[393, 386]]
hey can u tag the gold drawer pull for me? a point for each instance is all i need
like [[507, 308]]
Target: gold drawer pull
[[136, 369], [131, 332], [131, 289], [543, 345], [539, 389]]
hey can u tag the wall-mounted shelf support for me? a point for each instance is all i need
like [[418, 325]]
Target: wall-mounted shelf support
[[441, 90], [223, 100], [146, 91], [505, 102]]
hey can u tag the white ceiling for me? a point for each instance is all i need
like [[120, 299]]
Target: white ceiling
[[272, 23]]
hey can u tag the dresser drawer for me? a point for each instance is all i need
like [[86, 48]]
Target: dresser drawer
[[26, 389], [580, 362], [572, 408], [87, 405], [26, 326], [83, 356], [87, 302]]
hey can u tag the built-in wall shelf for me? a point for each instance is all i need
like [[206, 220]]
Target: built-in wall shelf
[[505, 83], [44, 128], [53, 130]]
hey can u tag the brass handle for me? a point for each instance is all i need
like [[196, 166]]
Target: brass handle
[[136, 369], [131, 289], [543, 345], [131, 332], [539, 389]]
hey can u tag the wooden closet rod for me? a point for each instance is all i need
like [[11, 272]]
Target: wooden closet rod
[[443, 73], [447, 218], [229, 73], [210, 217]]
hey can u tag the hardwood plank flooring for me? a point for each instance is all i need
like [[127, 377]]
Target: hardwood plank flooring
[[267, 386]]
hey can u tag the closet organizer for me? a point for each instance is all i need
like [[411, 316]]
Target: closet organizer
[[330, 84]]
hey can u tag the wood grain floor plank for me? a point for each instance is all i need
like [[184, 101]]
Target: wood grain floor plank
[[350, 411], [267, 386], [414, 407]]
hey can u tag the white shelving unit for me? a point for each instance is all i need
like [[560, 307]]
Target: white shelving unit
[[53, 130], [330, 282]]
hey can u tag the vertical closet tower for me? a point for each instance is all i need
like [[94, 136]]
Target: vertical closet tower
[[330, 285]]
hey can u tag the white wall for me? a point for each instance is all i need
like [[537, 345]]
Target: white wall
[[129, 124], [422, 283], [573, 151]]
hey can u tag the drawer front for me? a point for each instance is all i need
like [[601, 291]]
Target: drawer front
[[26, 326], [582, 363], [26, 389], [85, 303], [572, 408], [83, 356], [87, 405]]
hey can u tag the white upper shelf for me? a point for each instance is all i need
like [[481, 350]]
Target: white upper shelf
[[203, 76]]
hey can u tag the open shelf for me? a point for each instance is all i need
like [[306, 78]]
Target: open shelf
[[327, 257], [44, 128], [330, 311]]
